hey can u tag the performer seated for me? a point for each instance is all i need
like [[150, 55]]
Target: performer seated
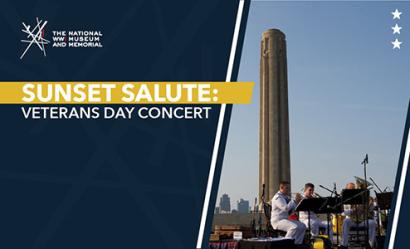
[[315, 222], [354, 218], [282, 205]]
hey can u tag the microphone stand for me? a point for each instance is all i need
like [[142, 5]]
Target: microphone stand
[[253, 222], [379, 219], [371, 179], [259, 230], [336, 215], [332, 192], [366, 198], [263, 210], [325, 204]]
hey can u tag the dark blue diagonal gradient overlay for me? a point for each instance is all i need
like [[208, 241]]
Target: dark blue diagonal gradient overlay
[[225, 127], [110, 183], [401, 239]]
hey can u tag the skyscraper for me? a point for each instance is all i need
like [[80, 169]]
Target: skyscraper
[[225, 204], [243, 206]]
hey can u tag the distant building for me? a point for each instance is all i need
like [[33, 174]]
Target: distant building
[[243, 206], [217, 210], [225, 204]]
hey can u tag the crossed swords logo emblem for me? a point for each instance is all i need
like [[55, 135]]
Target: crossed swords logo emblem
[[35, 36]]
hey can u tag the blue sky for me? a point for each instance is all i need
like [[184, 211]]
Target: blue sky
[[348, 93]]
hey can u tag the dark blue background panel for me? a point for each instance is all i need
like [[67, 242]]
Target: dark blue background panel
[[110, 183]]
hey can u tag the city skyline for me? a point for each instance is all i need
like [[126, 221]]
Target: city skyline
[[242, 205]]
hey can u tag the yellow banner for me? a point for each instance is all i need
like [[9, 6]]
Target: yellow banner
[[126, 92]]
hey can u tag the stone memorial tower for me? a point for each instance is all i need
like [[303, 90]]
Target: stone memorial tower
[[274, 155]]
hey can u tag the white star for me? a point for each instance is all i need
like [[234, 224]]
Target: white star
[[396, 29], [396, 44], [396, 14]]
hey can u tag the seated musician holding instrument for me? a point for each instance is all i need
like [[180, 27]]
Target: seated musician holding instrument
[[282, 205], [315, 222], [355, 218]]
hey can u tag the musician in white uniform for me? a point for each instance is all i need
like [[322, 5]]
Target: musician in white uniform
[[315, 222], [349, 221], [282, 205]]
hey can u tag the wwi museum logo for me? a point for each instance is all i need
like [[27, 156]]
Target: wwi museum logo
[[35, 37]]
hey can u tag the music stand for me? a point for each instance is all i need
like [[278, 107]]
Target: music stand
[[354, 196], [310, 205], [384, 200], [330, 205]]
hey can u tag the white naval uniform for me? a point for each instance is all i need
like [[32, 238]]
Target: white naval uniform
[[350, 222], [281, 206], [315, 223]]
